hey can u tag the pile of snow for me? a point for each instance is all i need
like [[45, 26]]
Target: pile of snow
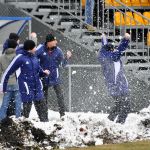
[[83, 129]]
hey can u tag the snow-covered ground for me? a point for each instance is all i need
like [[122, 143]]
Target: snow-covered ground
[[81, 129]]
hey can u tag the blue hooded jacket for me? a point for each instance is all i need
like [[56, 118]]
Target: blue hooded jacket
[[5, 46], [51, 60], [112, 68], [28, 74]]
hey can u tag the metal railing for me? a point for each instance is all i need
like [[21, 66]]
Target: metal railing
[[139, 47], [119, 29]]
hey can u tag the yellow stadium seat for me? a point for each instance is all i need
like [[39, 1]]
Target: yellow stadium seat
[[135, 3], [148, 39], [145, 3], [129, 20], [138, 19], [83, 3], [126, 2], [115, 3], [108, 3], [118, 19], [147, 15]]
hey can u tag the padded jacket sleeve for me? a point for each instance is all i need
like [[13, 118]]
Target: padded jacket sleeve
[[13, 66]]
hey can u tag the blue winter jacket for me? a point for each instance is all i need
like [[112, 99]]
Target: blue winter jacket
[[112, 69], [19, 50], [30, 85], [5, 46], [51, 61]]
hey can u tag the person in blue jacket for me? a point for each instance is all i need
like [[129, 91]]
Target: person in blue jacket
[[51, 57], [12, 36], [115, 78], [30, 85]]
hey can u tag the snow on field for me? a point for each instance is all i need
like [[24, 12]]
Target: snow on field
[[81, 129]]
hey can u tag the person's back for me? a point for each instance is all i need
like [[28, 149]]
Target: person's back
[[11, 100], [5, 60]]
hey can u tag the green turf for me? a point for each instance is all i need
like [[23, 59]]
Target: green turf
[[139, 145]]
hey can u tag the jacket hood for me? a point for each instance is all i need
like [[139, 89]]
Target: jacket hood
[[10, 51], [21, 50]]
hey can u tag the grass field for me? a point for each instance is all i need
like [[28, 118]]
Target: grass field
[[140, 145]]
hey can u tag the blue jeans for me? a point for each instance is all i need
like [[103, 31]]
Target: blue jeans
[[12, 93], [89, 9]]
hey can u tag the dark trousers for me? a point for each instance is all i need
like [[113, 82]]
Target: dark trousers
[[120, 109], [60, 97], [41, 108], [98, 17], [11, 107]]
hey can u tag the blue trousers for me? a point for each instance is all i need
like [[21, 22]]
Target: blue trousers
[[89, 9], [12, 93]]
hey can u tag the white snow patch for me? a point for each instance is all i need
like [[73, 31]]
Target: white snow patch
[[78, 129], [90, 87], [74, 72]]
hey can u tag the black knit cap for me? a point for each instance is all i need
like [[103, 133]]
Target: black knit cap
[[13, 36], [109, 47], [50, 37], [29, 45], [11, 43]]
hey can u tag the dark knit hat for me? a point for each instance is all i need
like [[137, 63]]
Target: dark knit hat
[[109, 47], [29, 45], [13, 36], [11, 43], [50, 37]]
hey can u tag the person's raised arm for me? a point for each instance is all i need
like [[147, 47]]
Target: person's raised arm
[[124, 43], [104, 39]]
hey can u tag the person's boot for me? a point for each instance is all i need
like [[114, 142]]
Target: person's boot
[[62, 114]]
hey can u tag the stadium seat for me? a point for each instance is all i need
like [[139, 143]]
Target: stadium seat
[[148, 39], [145, 3], [115, 3], [138, 19], [108, 3], [129, 20], [126, 2], [147, 15], [83, 3], [118, 19], [135, 3]]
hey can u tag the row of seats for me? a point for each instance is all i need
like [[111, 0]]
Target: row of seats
[[130, 19], [128, 2]]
